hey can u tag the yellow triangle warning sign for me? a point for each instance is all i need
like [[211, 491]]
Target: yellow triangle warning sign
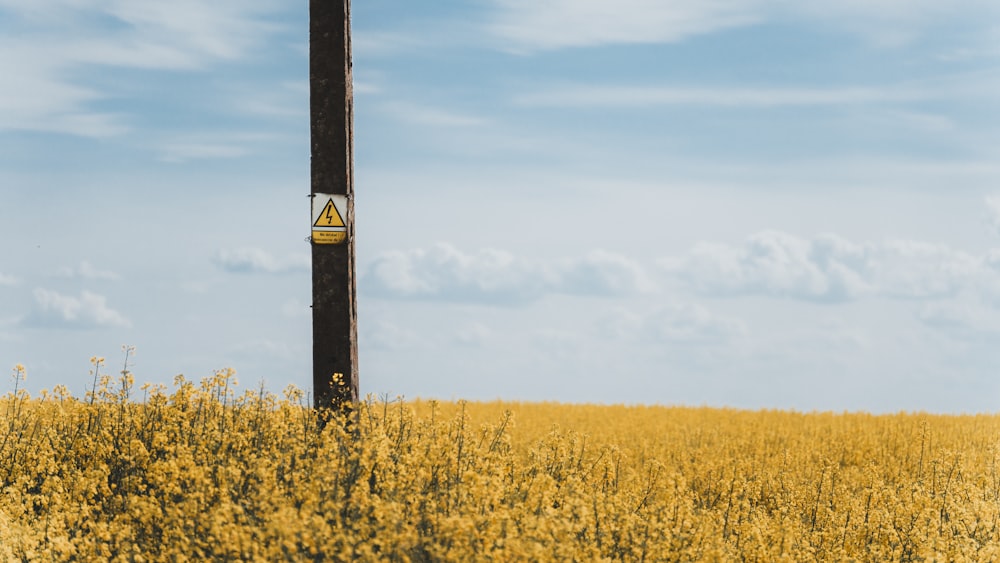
[[329, 217]]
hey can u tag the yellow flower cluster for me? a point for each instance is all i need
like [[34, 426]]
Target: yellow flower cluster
[[201, 473]]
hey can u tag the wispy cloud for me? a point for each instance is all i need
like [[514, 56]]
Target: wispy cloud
[[993, 213], [491, 276], [960, 321], [87, 271], [890, 23], [527, 25], [39, 96], [187, 151], [52, 309], [248, 260], [365, 87], [690, 324], [7, 279], [983, 47], [225, 29], [673, 323], [210, 145], [429, 115], [646, 96], [369, 43], [56, 46], [284, 100]]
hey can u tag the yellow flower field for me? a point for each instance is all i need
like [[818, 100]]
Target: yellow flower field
[[199, 473]]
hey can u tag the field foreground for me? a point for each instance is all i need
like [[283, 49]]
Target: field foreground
[[198, 473]]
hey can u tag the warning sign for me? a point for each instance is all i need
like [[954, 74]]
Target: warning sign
[[328, 212], [329, 217], [329, 237]]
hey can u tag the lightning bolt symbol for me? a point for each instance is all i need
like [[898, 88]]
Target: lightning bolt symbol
[[329, 212]]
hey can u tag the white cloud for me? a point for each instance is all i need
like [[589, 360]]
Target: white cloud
[[443, 272], [911, 269], [828, 268], [528, 25], [603, 273], [248, 260], [492, 276], [86, 270], [776, 263], [55, 310], [7, 279]]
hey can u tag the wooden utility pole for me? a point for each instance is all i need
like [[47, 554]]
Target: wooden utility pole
[[331, 104]]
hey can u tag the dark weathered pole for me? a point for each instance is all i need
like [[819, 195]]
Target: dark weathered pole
[[331, 105]]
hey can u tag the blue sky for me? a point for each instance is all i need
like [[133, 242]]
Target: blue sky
[[750, 203]]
